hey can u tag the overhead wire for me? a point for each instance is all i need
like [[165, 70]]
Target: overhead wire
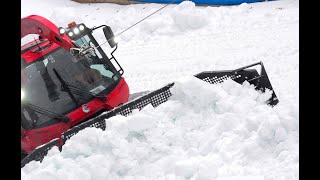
[[138, 22]]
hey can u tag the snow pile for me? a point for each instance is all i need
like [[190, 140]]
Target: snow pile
[[187, 16], [203, 132]]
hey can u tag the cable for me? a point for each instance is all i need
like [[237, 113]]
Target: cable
[[138, 22], [145, 18]]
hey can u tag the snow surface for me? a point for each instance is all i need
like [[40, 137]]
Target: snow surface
[[204, 131]]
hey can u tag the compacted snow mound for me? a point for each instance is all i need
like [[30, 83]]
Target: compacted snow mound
[[204, 131], [187, 16]]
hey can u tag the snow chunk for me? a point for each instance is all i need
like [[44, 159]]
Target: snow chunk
[[186, 16], [280, 135], [185, 168]]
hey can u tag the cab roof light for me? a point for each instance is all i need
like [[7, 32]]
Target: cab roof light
[[72, 24]]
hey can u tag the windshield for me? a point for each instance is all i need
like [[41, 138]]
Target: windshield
[[42, 88]]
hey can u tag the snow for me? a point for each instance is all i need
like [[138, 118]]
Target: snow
[[204, 131]]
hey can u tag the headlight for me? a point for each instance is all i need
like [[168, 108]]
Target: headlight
[[76, 30], [61, 30], [70, 34], [81, 27], [22, 94]]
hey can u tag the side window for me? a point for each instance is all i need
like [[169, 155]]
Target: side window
[[104, 71]]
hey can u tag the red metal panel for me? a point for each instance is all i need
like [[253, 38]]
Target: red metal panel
[[39, 25]]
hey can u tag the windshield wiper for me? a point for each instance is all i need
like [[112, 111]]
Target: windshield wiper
[[76, 90], [80, 91], [65, 87], [47, 112]]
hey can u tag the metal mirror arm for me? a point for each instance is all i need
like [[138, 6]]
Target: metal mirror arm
[[110, 39], [121, 71], [114, 51], [94, 28]]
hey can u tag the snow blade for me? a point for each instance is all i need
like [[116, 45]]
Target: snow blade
[[157, 97], [41, 151], [154, 98], [259, 80]]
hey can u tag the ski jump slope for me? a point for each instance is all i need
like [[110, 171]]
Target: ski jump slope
[[203, 132]]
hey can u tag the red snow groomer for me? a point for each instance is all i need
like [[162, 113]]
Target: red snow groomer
[[68, 81], [66, 78]]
